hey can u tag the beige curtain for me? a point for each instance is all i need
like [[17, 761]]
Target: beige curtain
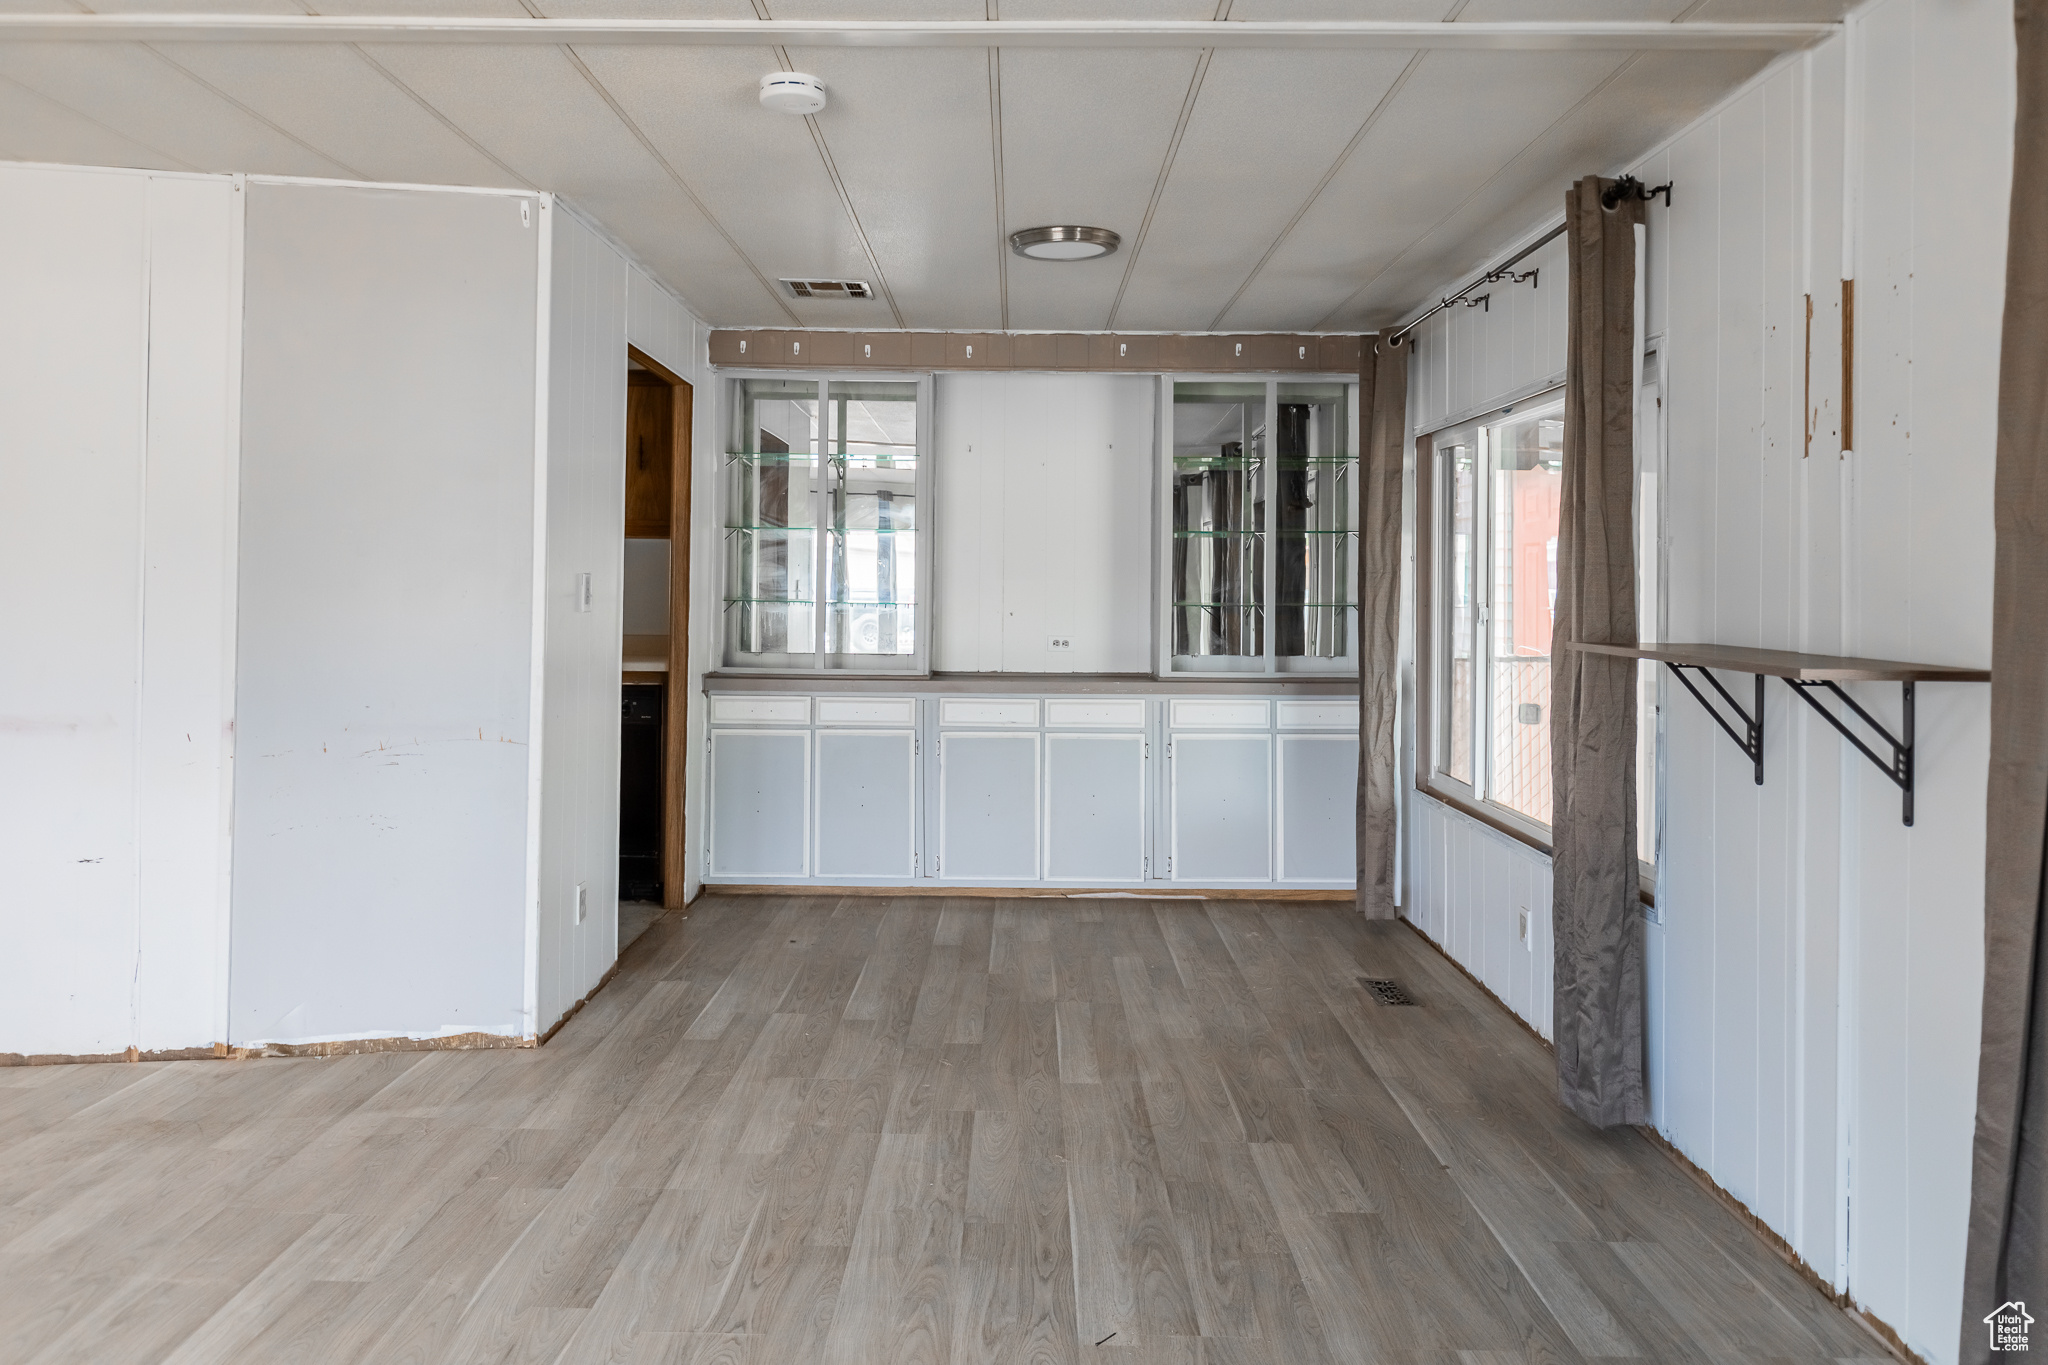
[[2007, 1255], [1597, 1014], [1383, 401]]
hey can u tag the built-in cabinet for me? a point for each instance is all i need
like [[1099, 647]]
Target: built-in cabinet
[[1065, 790]]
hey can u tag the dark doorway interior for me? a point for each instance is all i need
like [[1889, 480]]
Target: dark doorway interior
[[640, 792]]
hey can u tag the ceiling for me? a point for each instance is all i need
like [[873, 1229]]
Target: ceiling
[[1300, 188]]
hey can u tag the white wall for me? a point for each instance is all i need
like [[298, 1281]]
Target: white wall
[[117, 466], [1044, 488], [386, 639], [583, 532], [1815, 980]]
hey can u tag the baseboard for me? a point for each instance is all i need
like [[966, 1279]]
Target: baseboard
[[1178, 892], [351, 1047]]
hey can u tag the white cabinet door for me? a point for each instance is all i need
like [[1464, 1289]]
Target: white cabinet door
[[867, 803], [760, 803], [1222, 808], [988, 806], [1318, 808], [1095, 808]]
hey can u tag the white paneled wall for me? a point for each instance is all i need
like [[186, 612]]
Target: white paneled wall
[[386, 631], [1041, 480], [583, 532], [1815, 968], [1469, 888], [118, 341], [1471, 360]]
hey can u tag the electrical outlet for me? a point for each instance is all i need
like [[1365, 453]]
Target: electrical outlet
[[1522, 926], [582, 901], [1059, 644]]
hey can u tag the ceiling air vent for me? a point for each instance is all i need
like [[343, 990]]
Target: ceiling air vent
[[830, 289]]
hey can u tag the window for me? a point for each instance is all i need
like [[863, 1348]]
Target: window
[[823, 480], [1261, 519], [1496, 489], [1489, 519]]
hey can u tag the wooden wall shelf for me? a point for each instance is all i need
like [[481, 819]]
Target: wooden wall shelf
[[1805, 674], [1193, 352]]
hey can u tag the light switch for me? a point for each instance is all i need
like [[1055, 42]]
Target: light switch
[[583, 592], [582, 901]]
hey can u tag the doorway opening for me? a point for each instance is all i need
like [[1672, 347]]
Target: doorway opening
[[656, 649]]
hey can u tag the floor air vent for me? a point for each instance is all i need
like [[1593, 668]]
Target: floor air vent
[[1386, 992]]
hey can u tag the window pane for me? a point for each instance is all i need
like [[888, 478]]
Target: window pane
[[1528, 471], [771, 478], [1316, 479], [1455, 702], [1219, 519], [871, 518]]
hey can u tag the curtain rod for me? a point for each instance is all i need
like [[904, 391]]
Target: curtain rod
[[1503, 271], [1627, 187]]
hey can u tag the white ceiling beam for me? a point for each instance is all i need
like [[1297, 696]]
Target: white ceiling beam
[[1079, 33]]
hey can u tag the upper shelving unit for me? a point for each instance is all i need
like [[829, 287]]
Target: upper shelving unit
[[1805, 674]]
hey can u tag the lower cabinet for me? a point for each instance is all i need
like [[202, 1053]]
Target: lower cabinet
[[867, 803], [1318, 808], [760, 803], [1095, 808], [988, 806], [1073, 791], [1222, 808]]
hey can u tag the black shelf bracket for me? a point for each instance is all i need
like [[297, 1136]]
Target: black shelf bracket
[[1751, 739], [1899, 768]]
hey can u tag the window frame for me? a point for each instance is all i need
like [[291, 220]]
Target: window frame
[[917, 663], [1268, 664], [1432, 603]]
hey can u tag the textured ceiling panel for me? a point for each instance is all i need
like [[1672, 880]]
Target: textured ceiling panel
[[535, 111], [39, 130], [763, 170], [1254, 148], [1475, 111], [1299, 193], [144, 97], [910, 133], [1654, 97], [1084, 135], [333, 98]]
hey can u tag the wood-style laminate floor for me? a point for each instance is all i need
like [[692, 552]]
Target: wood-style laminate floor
[[896, 1131]]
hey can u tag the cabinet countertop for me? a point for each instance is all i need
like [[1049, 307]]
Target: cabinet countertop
[[1041, 684]]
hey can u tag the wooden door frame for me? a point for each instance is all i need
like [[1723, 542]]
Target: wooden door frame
[[676, 693]]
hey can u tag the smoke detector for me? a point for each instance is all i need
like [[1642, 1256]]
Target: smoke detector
[[793, 92]]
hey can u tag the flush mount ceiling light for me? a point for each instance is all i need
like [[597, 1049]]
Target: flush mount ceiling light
[[792, 92], [1064, 243]]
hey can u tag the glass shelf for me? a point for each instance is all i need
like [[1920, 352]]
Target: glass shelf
[[769, 601], [1302, 531], [863, 602], [1255, 606], [857, 459], [1217, 535], [771, 528], [1218, 461]]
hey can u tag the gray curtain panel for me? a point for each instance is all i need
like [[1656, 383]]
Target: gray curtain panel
[[2007, 1254], [1383, 400], [1598, 1009]]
